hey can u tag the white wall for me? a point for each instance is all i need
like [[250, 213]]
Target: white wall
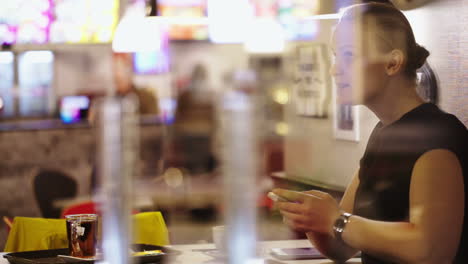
[[441, 28], [84, 68]]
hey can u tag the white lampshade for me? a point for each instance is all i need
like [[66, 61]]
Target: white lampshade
[[136, 32], [265, 35], [228, 19]]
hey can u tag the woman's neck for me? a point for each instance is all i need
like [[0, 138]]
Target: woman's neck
[[397, 101]]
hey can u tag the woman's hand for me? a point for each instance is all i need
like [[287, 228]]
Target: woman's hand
[[311, 211]]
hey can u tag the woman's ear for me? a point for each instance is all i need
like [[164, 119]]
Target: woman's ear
[[395, 62]]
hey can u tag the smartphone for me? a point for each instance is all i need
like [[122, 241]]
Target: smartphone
[[276, 198], [296, 253]]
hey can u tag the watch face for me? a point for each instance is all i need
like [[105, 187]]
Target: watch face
[[340, 223], [409, 4]]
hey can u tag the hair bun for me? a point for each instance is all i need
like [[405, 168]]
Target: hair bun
[[388, 2], [420, 55]]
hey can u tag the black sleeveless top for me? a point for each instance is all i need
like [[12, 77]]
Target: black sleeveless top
[[387, 164]]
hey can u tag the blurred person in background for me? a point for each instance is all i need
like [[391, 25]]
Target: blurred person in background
[[122, 68], [407, 203], [195, 125], [123, 76]]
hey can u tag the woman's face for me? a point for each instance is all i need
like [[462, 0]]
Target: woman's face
[[359, 66]]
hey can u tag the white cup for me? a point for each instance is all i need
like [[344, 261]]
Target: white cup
[[219, 238]]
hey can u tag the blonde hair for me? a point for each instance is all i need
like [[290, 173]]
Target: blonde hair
[[393, 23]]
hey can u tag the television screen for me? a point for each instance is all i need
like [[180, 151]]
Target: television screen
[[74, 108], [153, 62]]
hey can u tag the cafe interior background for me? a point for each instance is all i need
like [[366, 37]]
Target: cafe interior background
[[56, 62]]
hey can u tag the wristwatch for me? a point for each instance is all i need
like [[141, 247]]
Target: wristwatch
[[340, 225]]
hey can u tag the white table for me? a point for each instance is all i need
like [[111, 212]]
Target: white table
[[189, 256], [198, 257]]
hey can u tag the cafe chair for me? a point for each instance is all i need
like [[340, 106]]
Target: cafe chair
[[28, 233], [52, 185], [8, 222], [88, 207]]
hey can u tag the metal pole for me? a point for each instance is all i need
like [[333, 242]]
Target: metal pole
[[239, 174], [118, 150]]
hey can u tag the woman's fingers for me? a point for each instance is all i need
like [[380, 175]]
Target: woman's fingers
[[308, 205], [316, 193], [300, 223], [308, 211], [289, 195], [310, 223], [295, 225], [290, 207], [294, 217], [300, 197]]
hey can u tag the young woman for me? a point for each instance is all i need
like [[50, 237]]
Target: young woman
[[407, 201]]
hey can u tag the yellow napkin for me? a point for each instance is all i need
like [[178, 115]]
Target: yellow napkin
[[30, 233], [150, 228]]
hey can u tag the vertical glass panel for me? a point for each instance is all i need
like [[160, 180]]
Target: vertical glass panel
[[35, 72], [7, 107]]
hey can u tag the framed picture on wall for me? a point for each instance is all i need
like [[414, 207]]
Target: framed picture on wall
[[312, 81], [345, 119], [346, 122]]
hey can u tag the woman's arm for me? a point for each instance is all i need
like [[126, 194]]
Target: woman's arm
[[431, 235], [326, 243], [433, 232]]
